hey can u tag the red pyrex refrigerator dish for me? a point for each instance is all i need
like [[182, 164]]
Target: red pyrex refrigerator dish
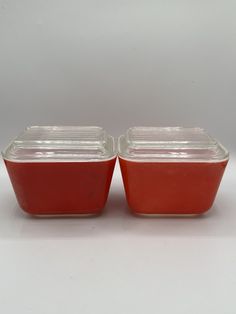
[[61, 170], [170, 170]]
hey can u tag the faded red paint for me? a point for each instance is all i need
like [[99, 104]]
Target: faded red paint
[[171, 187]]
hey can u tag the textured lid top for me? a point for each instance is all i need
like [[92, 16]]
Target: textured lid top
[[61, 143], [170, 144]]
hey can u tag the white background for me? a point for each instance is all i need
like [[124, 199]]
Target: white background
[[117, 64]]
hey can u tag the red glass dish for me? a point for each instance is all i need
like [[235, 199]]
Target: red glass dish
[[61, 170], [171, 171]]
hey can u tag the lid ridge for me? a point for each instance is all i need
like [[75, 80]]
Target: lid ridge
[[170, 143], [67, 143]]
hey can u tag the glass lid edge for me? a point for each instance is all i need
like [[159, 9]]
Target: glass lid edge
[[221, 153], [109, 147]]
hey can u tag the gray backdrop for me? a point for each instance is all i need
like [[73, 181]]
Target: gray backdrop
[[118, 64]]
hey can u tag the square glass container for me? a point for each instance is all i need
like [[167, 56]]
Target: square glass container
[[61, 170], [170, 170]]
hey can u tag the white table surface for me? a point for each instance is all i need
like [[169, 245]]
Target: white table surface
[[117, 263]]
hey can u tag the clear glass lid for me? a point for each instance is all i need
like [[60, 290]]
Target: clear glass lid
[[61, 143], [170, 144]]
